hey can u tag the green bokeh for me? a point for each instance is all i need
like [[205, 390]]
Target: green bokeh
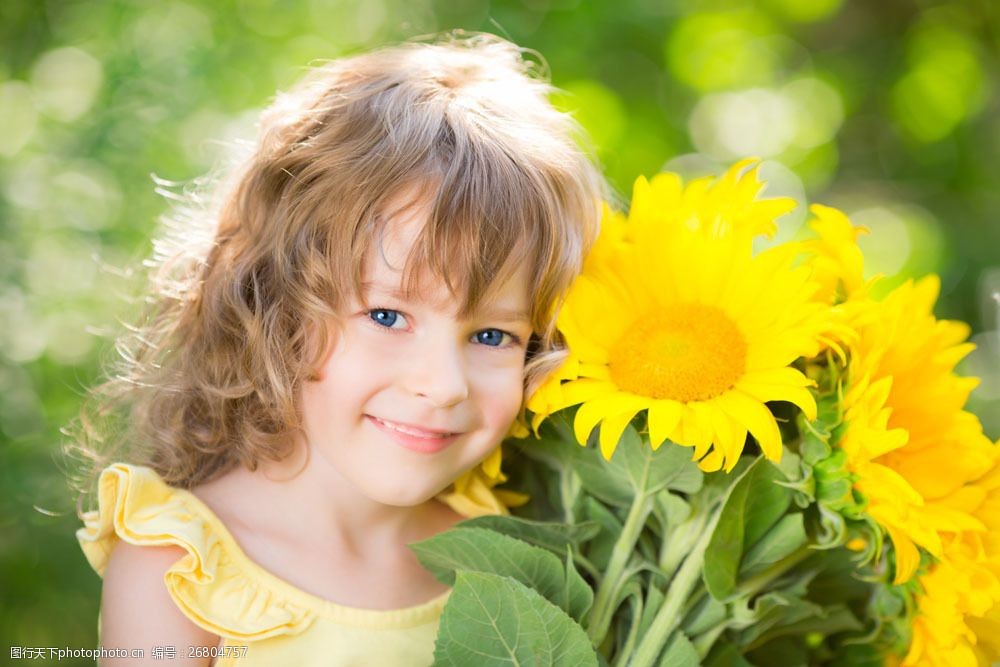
[[890, 105]]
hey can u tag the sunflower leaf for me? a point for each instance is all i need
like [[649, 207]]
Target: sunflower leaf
[[706, 614], [679, 652], [482, 550], [496, 620], [754, 504], [554, 537], [787, 535], [651, 471], [634, 468], [725, 654]]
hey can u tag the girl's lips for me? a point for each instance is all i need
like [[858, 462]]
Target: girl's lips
[[427, 444]]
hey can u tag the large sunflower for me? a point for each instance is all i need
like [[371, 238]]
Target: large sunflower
[[908, 440], [674, 314]]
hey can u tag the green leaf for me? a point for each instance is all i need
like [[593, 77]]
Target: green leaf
[[649, 471], [481, 550], [555, 445], [679, 652], [634, 468], [725, 654], [770, 610], [492, 620], [814, 447], [784, 538], [790, 464], [599, 477], [549, 535], [670, 509], [706, 614], [797, 618], [785, 652], [754, 504]]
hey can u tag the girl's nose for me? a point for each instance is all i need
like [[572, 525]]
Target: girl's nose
[[438, 374]]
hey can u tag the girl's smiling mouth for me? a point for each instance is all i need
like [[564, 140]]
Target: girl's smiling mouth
[[415, 438]]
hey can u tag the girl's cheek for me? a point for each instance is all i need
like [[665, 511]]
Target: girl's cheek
[[510, 397]]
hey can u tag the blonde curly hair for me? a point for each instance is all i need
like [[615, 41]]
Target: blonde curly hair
[[209, 378]]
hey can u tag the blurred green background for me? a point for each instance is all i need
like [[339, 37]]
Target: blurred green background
[[888, 110]]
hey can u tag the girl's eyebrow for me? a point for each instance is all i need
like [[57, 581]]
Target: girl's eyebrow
[[371, 285], [509, 314]]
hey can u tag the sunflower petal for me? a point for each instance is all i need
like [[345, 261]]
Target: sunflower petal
[[712, 461], [730, 437], [907, 556], [781, 384], [757, 419], [611, 432], [663, 418], [602, 407]]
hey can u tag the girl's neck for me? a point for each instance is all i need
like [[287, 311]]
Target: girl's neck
[[304, 498]]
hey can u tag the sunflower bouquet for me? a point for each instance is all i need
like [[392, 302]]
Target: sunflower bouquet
[[747, 458]]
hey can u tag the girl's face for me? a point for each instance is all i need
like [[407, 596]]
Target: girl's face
[[411, 396]]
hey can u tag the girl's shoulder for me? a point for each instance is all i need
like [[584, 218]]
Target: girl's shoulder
[[209, 581]]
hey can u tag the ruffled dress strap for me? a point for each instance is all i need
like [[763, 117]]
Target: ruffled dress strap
[[208, 583]]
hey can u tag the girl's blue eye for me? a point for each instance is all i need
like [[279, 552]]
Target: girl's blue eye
[[385, 317], [388, 319], [492, 337]]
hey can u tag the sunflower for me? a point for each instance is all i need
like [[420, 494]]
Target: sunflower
[[675, 316], [908, 441], [958, 619]]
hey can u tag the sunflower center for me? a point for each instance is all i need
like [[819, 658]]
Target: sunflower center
[[691, 352]]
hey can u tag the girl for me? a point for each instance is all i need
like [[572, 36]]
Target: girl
[[329, 377]]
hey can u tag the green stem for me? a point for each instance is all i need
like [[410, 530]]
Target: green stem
[[704, 642], [622, 656], [569, 489], [755, 584], [610, 585], [669, 615], [678, 542]]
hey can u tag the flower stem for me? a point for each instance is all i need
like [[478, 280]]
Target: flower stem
[[757, 583], [610, 585], [704, 642], [678, 542], [569, 489], [669, 615]]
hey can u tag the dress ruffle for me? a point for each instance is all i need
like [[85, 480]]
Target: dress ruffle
[[208, 583]]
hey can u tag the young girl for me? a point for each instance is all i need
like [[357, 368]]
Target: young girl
[[328, 378]]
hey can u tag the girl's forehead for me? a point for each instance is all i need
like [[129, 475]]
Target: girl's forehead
[[384, 274], [510, 293], [393, 263]]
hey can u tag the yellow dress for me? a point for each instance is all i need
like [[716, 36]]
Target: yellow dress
[[262, 619]]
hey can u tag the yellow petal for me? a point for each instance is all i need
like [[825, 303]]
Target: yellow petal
[[780, 384], [663, 418], [729, 439], [907, 556], [755, 416], [491, 465], [712, 461], [592, 412], [611, 432]]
